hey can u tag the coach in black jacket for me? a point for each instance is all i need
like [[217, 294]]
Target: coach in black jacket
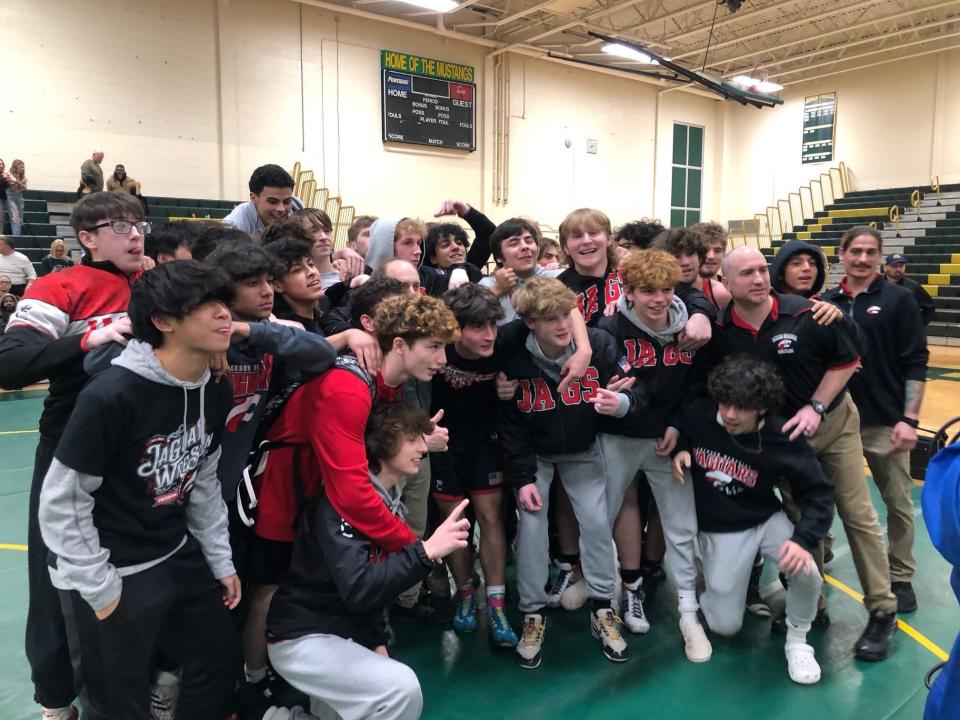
[[888, 390]]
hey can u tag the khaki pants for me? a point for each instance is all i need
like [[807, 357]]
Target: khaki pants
[[840, 452], [891, 473], [416, 494]]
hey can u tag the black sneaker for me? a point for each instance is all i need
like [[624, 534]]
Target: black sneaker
[[427, 609], [756, 605], [906, 598], [873, 644], [821, 621]]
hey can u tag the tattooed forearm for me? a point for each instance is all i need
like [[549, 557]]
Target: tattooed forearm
[[914, 392]]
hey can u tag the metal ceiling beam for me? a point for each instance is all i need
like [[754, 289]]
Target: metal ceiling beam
[[874, 64], [780, 28], [508, 18], [867, 54], [732, 17], [819, 36], [834, 48]]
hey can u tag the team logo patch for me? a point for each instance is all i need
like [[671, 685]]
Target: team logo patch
[[784, 342], [873, 310]]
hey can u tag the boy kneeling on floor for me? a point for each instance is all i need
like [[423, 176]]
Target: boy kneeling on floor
[[326, 630], [736, 452]]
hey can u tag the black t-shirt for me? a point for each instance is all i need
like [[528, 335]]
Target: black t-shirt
[[133, 433], [791, 340], [466, 389]]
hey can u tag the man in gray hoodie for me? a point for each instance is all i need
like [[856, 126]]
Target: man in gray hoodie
[[131, 509]]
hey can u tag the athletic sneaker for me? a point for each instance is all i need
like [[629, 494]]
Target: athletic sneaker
[[756, 605], [531, 643], [631, 609], [569, 589], [69, 712], [163, 696], [498, 628], [604, 626], [465, 619]]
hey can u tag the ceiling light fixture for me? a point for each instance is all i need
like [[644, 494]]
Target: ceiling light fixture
[[628, 53], [440, 6], [754, 85]]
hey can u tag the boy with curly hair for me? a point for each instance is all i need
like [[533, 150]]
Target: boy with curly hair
[[736, 450]]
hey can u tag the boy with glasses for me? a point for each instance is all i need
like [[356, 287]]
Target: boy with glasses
[[62, 317]]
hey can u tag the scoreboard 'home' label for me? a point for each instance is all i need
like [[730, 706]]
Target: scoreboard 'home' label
[[428, 102]]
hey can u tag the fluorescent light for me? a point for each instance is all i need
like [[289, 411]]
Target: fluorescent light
[[627, 52], [440, 6], [755, 85]]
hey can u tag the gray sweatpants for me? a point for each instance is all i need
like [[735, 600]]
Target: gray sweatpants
[[347, 681], [584, 478], [624, 458], [727, 560]]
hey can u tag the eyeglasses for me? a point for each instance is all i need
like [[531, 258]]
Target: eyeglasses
[[123, 227]]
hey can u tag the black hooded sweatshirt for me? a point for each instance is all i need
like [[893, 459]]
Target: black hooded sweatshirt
[[734, 479], [780, 260]]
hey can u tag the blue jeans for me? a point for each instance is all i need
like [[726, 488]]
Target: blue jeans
[[14, 205]]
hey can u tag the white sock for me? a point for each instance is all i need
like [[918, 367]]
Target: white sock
[[496, 590], [796, 633], [62, 713], [254, 675], [688, 617], [687, 601]]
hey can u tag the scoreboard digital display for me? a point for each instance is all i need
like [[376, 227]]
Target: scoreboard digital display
[[428, 102]]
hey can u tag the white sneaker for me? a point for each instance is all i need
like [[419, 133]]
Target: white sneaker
[[631, 609], [531, 641], [801, 663], [695, 642], [568, 589], [604, 626], [163, 696]]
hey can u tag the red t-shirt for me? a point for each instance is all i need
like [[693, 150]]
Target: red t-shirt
[[326, 418]]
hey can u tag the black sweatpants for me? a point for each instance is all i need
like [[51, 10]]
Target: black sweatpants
[[46, 638], [176, 607]]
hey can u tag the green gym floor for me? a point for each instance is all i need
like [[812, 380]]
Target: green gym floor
[[464, 677]]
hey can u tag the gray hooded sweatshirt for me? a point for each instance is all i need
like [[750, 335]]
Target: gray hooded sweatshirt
[[677, 317], [135, 472]]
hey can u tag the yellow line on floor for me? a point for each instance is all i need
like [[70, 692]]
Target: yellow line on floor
[[18, 432], [919, 637], [7, 546]]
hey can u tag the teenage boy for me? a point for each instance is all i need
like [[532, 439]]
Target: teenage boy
[[131, 508], [714, 239], [64, 316], [895, 271], [412, 331], [545, 431], [358, 234], [514, 244], [815, 362], [648, 320], [688, 247], [637, 235], [296, 280], [171, 241], [271, 201], [326, 624], [888, 391], [737, 452], [446, 247]]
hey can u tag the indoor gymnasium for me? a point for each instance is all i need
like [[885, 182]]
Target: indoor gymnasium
[[481, 359]]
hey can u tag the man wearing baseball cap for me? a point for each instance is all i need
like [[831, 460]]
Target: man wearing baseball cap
[[895, 270]]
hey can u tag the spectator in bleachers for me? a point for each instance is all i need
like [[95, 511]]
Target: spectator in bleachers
[[16, 266], [358, 236], [15, 183], [5, 284], [895, 271], [123, 182], [8, 304], [91, 175], [57, 260], [271, 200]]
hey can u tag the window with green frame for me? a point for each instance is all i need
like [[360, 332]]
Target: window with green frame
[[686, 183]]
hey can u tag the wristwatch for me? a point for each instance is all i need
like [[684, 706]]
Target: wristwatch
[[818, 407]]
